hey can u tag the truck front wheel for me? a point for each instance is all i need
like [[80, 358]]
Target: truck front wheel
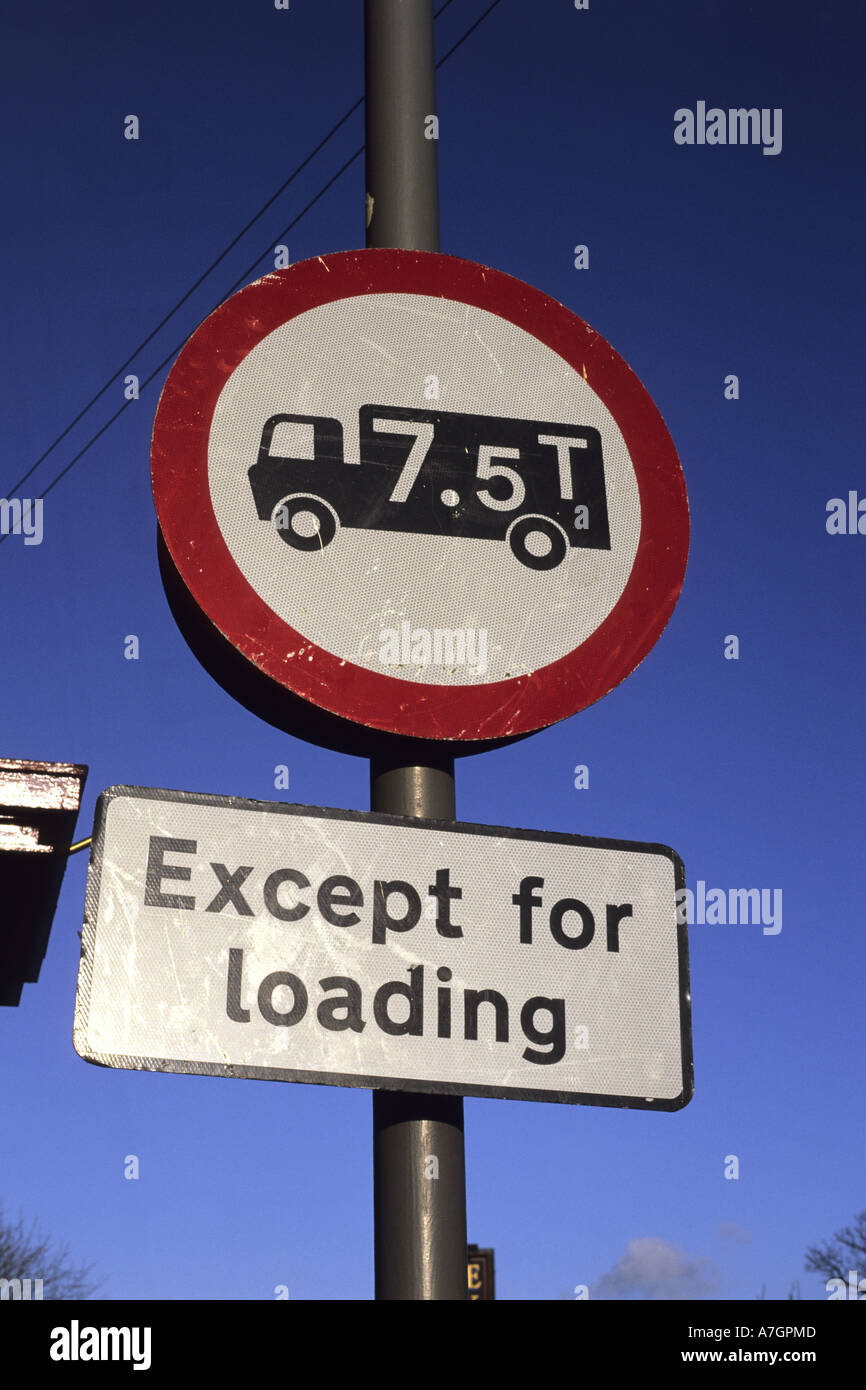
[[305, 523]]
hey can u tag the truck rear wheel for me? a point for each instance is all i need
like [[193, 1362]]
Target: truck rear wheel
[[537, 542]]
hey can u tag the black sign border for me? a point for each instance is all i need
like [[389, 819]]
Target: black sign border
[[386, 1083]]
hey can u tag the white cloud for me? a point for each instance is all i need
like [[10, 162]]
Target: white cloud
[[651, 1268]]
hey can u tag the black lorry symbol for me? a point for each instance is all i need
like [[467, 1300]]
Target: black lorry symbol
[[537, 485]]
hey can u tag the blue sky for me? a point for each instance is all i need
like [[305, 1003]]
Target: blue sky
[[556, 129]]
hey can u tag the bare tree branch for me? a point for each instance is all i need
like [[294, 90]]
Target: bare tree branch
[[28, 1254], [837, 1257]]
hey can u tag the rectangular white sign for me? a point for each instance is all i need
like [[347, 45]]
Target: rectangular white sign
[[299, 943]]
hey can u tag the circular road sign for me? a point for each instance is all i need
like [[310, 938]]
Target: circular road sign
[[420, 494]]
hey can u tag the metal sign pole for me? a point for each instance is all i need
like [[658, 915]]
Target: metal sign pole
[[419, 1171]]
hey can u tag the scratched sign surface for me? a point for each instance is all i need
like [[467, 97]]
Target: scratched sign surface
[[296, 943], [420, 494]]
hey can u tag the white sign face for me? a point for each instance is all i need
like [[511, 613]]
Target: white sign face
[[409, 565], [243, 938], [420, 494]]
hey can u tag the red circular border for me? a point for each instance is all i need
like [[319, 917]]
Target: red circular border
[[179, 462]]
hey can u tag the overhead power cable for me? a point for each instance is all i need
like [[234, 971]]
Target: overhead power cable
[[240, 281], [192, 289]]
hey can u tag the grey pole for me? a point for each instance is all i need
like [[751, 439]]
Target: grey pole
[[399, 95], [419, 1168]]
